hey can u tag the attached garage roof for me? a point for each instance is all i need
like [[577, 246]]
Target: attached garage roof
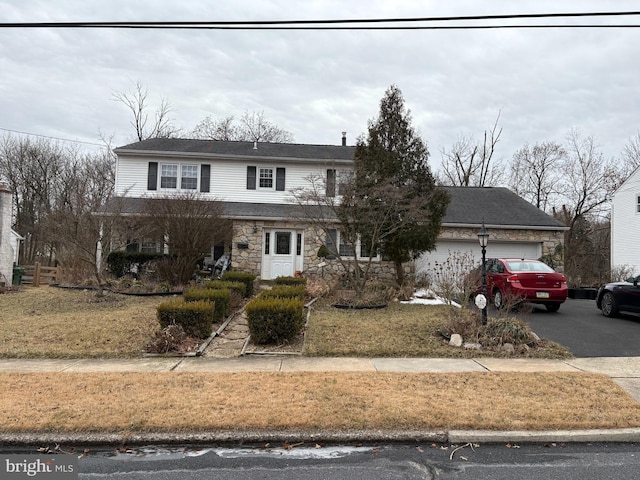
[[497, 207]]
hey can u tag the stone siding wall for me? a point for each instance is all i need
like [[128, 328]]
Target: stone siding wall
[[250, 235], [550, 239]]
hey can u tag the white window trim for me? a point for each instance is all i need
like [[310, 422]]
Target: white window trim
[[178, 187], [358, 247], [272, 188]]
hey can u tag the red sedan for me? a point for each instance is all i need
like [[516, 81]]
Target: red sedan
[[514, 280]]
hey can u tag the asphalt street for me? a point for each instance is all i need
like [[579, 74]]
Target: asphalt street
[[580, 326]]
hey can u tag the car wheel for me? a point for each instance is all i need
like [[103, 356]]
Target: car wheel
[[552, 307], [608, 305], [498, 300]]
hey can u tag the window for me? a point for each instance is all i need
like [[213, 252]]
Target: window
[[638, 204], [335, 179], [299, 244], [169, 176], [189, 177], [345, 249], [266, 178], [267, 242]]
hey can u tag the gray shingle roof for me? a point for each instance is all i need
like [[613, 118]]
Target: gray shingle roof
[[216, 148], [496, 206]]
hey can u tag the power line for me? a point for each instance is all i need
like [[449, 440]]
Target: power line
[[51, 138], [343, 24]]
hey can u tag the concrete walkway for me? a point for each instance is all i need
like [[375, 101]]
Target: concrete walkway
[[625, 371]]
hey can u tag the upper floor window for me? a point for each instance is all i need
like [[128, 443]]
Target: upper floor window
[[265, 178], [169, 176], [335, 183], [189, 177], [179, 176], [638, 203]]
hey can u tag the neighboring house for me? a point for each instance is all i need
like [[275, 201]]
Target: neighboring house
[[16, 240], [254, 180], [625, 224], [6, 251]]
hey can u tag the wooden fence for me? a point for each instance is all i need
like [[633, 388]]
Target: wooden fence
[[37, 275]]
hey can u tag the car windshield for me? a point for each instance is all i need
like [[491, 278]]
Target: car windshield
[[528, 266]]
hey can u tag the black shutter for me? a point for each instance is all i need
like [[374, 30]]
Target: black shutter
[[280, 179], [205, 175], [331, 183], [251, 178], [152, 176]]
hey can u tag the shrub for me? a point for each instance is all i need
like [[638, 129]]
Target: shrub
[[285, 291], [122, 263], [290, 281], [499, 331], [275, 320], [247, 278], [169, 339], [221, 298], [239, 287], [195, 318]]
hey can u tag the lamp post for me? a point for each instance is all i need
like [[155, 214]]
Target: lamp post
[[483, 238]]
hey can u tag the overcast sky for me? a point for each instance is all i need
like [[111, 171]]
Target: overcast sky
[[316, 84]]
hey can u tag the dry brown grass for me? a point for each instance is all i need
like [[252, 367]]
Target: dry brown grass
[[397, 331], [172, 401], [55, 323]]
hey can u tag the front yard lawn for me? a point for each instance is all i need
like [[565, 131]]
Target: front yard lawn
[[49, 322], [399, 330]]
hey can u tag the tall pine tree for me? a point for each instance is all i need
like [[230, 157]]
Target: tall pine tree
[[402, 207]]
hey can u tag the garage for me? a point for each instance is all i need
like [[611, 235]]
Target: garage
[[426, 261]]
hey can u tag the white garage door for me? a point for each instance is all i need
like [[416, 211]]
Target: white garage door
[[427, 260]]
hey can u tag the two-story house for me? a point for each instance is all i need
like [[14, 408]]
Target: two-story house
[[253, 181]]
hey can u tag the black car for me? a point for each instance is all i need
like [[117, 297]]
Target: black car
[[614, 298]]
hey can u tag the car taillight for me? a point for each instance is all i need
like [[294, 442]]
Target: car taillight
[[513, 279]]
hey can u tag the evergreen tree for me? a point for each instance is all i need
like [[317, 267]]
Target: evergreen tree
[[401, 206]]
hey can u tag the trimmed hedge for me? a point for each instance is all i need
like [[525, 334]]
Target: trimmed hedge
[[221, 298], [247, 278], [275, 320], [285, 291], [239, 287], [196, 318], [290, 281]]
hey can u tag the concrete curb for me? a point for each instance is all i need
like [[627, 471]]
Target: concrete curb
[[623, 435]]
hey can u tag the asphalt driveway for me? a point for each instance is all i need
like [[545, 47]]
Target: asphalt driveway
[[580, 326]]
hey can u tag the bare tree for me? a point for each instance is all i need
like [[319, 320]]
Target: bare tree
[[534, 172], [253, 127], [472, 164], [630, 157], [211, 129], [190, 225], [160, 126], [586, 183]]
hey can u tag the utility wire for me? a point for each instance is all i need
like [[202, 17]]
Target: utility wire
[[341, 24], [51, 138]]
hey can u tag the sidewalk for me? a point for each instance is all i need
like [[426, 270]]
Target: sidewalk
[[625, 371]]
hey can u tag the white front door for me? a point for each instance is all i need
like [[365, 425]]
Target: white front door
[[283, 254]]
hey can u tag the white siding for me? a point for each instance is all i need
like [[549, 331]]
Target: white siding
[[625, 224], [228, 181]]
